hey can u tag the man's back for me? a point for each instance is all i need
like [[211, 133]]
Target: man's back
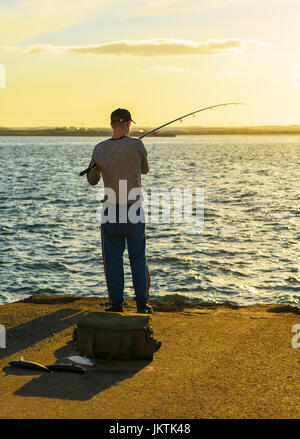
[[119, 159]]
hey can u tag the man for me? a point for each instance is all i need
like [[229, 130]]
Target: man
[[121, 160]]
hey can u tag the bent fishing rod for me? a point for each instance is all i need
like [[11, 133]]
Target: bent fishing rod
[[87, 170]]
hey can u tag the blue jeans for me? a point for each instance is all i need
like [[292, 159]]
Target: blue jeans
[[114, 236]]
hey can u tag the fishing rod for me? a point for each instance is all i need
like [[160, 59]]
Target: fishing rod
[[87, 170]]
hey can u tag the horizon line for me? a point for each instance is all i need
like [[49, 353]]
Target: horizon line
[[142, 127]]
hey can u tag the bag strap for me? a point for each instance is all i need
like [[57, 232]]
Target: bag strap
[[91, 341], [128, 338]]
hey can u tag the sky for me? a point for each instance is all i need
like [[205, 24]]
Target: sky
[[72, 62]]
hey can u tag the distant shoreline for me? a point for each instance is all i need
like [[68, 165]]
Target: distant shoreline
[[198, 131]]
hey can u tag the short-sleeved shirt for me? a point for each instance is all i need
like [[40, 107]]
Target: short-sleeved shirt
[[119, 159]]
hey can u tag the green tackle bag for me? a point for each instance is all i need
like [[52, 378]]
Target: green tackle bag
[[118, 336]]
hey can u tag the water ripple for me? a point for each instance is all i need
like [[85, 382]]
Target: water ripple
[[247, 253]]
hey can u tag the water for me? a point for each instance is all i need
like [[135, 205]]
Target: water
[[247, 253]]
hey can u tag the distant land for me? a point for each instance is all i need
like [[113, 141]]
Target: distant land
[[170, 132]]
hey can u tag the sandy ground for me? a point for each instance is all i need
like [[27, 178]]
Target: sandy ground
[[214, 362]]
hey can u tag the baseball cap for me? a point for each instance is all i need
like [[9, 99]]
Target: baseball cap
[[121, 115]]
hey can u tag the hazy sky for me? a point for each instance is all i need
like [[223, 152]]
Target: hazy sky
[[72, 62]]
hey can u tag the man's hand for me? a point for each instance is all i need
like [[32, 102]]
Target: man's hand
[[93, 176]]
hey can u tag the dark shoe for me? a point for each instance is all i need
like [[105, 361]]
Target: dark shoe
[[117, 307], [106, 304], [143, 307]]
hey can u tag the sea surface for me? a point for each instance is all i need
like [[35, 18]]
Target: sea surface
[[247, 252]]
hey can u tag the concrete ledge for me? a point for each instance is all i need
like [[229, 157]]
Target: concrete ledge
[[216, 361]]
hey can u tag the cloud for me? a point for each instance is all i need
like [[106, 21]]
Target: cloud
[[159, 8], [24, 19], [21, 20], [152, 48]]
